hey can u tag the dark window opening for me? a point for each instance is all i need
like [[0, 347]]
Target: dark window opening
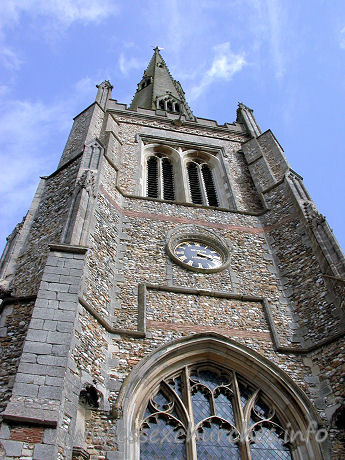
[[169, 106], [152, 177], [194, 184], [177, 108], [89, 397], [161, 104], [145, 83], [168, 180], [209, 186]]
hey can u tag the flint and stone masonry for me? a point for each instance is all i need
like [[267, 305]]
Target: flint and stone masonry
[[95, 313]]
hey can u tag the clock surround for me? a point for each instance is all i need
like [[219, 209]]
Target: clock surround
[[199, 251]]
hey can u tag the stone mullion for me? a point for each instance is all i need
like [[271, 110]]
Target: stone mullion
[[240, 421], [202, 186], [213, 404], [160, 178], [187, 396]]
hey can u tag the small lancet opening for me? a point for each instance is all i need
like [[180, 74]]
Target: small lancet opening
[[168, 180], [194, 183], [89, 397], [152, 177], [89, 400], [209, 185]]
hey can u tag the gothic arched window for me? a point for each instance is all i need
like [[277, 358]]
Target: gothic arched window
[[144, 83], [201, 183], [160, 178], [205, 411], [168, 104]]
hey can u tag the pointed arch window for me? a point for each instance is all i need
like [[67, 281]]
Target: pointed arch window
[[205, 411], [201, 184], [160, 178], [145, 82], [169, 104]]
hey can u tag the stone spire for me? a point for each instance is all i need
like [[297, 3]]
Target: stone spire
[[157, 90]]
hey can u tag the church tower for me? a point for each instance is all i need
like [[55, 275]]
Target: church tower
[[172, 293]]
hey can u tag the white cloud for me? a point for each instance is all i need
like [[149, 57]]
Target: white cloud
[[9, 58], [342, 38], [267, 21], [32, 136], [25, 130], [4, 89], [64, 11], [86, 87], [275, 20], [54, 17], [126, 64], [225, 64]]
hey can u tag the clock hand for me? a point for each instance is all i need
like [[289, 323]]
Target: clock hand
[[205, 256]]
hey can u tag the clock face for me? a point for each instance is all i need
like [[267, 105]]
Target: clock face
[[198, 255]]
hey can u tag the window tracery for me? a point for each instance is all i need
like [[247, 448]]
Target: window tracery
[[203, 411]]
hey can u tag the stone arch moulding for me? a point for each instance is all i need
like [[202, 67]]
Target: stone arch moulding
[[293, 405], [173, 155], [212, 160]]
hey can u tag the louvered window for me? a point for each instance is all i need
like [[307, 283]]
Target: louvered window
[[201, 184], [160, 178], [194, 183], [209, 185], [168, 180], [152, 177]]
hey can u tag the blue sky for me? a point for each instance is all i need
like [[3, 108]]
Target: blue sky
[[283, 58]]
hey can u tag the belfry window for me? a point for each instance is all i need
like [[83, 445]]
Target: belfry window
[[160, 178], [144, 83], [169, 105], [201, 184], [204, 411]]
